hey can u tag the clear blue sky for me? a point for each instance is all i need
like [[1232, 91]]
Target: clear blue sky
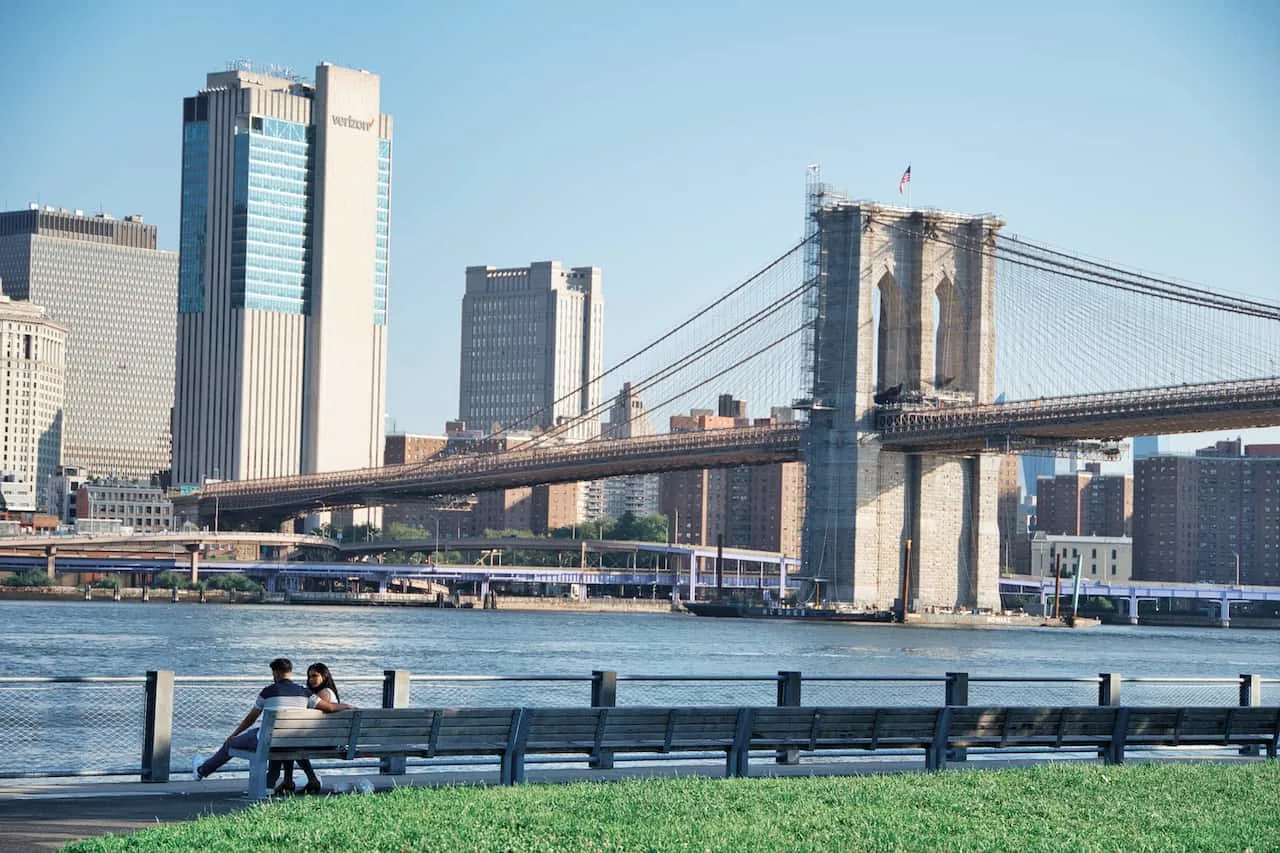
[[666, 142]]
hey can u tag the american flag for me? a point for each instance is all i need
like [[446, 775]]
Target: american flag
[[906, 179]]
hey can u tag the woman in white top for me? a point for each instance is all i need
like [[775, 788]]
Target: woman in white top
[[319, 682]]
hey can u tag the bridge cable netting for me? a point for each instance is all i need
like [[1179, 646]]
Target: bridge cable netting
[[1065, 325], [1068, 325]]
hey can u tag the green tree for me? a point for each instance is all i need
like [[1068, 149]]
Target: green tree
[[31, 577], [232, 582], [401, 532], [171, 580]]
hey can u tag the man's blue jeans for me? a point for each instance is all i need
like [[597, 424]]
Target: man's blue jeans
[[244, 740]]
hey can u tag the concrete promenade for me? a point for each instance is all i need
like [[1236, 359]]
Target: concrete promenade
[[38, 815]]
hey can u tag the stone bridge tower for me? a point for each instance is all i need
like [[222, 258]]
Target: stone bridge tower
[[905, 306]]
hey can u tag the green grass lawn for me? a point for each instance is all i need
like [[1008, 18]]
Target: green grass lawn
[[1051, 807]]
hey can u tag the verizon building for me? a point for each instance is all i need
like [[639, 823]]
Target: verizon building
[[283, 271]]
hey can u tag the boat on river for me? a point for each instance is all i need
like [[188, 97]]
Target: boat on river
[[785, 612], [1071, 622], [760, 604]]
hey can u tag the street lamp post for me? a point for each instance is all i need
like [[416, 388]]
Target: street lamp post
[[435, 554], [216, 507], [1236, 554]]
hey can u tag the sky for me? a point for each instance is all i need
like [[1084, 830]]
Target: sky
[[667, 142]]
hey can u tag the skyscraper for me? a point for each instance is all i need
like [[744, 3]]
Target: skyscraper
[[283, 276], [104, 281], [532, 348], [33, 349]]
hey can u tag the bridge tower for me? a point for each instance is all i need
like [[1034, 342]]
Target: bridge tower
[[905, 309]]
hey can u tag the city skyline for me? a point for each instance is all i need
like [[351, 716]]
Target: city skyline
[[684, 107]]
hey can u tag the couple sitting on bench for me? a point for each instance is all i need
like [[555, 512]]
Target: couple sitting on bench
[[282, 692]]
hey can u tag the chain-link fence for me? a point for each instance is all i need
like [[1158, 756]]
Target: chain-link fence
[[696, 690], [72, 726], [873, 690], [997, 690], [1183, 691], [498, 691], [92, 727]]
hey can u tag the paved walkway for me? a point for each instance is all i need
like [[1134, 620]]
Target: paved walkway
[[39, 815]]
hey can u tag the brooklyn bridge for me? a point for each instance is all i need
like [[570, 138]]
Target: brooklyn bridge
[[913, 347]]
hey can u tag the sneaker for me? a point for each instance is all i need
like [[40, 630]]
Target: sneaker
[[312, 787], [285, 789], [195, 769]]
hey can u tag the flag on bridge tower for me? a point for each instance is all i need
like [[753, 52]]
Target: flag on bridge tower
[[906, 179]]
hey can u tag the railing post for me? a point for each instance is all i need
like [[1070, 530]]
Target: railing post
[[1250, 690], [789, 682], [604, 694], [957, 693], [395, 694], [1250, 696], [1108, 688], [157, 736]]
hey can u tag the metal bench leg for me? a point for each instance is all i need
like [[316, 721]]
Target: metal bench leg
[[258, 779]]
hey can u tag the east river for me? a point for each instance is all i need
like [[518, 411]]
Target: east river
[[219, 655], [104, 638]]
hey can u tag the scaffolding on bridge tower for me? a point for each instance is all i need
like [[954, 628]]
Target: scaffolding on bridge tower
[[816, 194]]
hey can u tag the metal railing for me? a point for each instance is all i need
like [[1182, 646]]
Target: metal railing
[[150, 727]]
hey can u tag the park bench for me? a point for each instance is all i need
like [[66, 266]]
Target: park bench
[[1201, 726], [601, 732], [511, 734], [821, 729], [1053, 727], [388, 733]]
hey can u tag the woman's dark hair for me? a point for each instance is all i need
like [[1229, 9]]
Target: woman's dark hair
[[326, 679]]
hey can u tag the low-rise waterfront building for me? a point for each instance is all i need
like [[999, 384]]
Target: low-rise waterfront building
[[140, 507], [1107, 559]]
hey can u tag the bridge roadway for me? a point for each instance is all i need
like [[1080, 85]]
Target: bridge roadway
[[951, 429], [1155, 411]]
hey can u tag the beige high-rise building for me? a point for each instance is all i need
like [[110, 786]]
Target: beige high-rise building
[[104, 280], [283, 275], [532, 348], [637, 494], [33, 349]]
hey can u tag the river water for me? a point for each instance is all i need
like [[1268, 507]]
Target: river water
[[121, 638], [74, 728]]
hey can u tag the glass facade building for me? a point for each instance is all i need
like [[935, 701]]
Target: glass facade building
[[286, 218]]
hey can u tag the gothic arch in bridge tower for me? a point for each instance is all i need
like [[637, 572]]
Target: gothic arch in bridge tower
[[950, 329], [891, 361], [905, 297]]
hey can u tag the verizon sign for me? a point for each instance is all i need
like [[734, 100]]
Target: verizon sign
[[352, 122]]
